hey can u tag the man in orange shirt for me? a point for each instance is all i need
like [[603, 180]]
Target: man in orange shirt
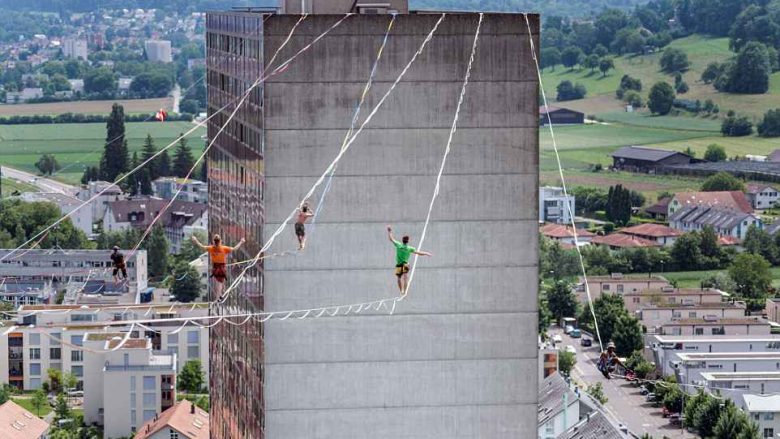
[[218, 254]]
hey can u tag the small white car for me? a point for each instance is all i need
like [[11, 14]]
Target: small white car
[[570, 349], [557, 338]]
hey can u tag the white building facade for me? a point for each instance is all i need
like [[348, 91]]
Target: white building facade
[[75, 48], [158, 51], [555, 206]]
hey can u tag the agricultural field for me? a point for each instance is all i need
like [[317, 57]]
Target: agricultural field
[[132, 106], [10, 186], [701, 51], [692, 279], [78, 145]]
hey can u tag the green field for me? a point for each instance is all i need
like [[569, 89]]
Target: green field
[[10, 186], [78, 145], [692, 279]]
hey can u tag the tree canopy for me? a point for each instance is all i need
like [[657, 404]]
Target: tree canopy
[[661, 98], [722, 181]]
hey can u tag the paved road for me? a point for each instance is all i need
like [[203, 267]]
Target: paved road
[[44, 184], [625, 403]]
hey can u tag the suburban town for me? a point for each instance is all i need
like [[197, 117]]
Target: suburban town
[[325, 218]]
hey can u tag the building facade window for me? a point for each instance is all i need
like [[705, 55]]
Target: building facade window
[[76, 355], [193, 352], [77, 371], [35, 369], [149, 414], [193, 337], [35, 353], [150, 399], [35, 383], [173, 338], [34, 339], [77, 340], [150, 383], [769, 432], [55, 354]]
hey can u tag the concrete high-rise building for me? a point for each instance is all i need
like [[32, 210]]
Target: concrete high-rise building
[[75, 48], [158, 50], [458, 358]]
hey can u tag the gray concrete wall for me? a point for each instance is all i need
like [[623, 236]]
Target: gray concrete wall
[[458, 359]]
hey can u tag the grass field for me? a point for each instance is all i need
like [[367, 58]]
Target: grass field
[[26, 403], [79, 145], [701, 51], [132, 106], [10, 186], [692, 279]]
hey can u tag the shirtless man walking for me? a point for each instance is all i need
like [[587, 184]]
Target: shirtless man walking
[[304, 213]]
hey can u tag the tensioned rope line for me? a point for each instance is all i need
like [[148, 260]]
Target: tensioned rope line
[[354, 119], [447, 148], [563, 182], [246, 94], [158, 153], [362, 99], [341, 153], [61, 340]]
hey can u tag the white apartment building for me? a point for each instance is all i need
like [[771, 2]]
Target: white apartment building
[[671, 296], [666, 348], [559, 407], [99, 205], [618, 283], [27, 352], [554, 206], [126, 387], [691, 366], [74, 48], [764, 410], [655, 316], [158, 50], [733, 385], [26, 293], [82, 219], [89, 270], [709, 326], [194, 191]]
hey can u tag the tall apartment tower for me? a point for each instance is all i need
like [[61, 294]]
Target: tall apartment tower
[[458, 357]]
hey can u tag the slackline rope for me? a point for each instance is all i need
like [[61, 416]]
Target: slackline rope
[[563, 182]]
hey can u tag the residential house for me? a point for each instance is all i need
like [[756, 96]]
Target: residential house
[[667, 348], [762, 196], [148, 380], [181, 217], [18, 423], [595, 425], [772, 309], [158, 51], [27, 94], [659, 233], [663, 317], [618, 283], [75, 48], [617, 241], [717, 325], [669, 295], [649, 160], [123, 85], [76, 85], [741, 383], [763, 410], [565, 234], [559, 407], [555, 206], [194, 191], [82, 218], [724, 200], [560, 116], [659, 210], [101, 193], [725, 222], [690, 367], [182, 421]]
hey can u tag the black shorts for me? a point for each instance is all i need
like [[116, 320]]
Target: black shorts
[[401, 269], [300, 230], [122, 269]]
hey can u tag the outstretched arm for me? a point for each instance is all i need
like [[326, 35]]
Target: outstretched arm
[[422, 253], [239, 244], [390, 234], [198, 243]]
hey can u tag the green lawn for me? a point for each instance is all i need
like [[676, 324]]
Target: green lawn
[[78, 145], [692, 279], [10, 186], [27, 404]]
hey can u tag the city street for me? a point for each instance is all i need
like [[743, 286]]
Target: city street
[[44, 184], [625, 403]]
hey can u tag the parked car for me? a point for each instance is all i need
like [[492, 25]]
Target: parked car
[[650, 397], [575, 333], [585, 341], [643, 390], [567, 329], [675, 419], [557, 338], [570, 349]]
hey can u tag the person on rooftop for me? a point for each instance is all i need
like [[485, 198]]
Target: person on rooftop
[[218, 254], [118, 262], [402, 253]]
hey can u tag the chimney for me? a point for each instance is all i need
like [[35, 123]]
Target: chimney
[[192, 408]]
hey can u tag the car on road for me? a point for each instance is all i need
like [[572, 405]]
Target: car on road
[[557, 338], [575, 333], [643, 390], [570, 349], [567, 329], [675, 419], [585, 341], [650, 397]]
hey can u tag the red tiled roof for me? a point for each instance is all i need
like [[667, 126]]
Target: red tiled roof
[[180, 418], [561, 231], [754, 188], [728, 240], [724, 200], [18, 423], [655, 230], [623, 241]]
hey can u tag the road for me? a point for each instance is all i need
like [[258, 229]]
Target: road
[[625, 403], [44, 184]]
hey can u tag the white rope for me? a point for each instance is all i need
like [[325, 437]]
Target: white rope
[[335, 161], [453, 128], [563, 182]]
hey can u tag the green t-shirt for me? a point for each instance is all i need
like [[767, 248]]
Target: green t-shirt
[[402, 252]]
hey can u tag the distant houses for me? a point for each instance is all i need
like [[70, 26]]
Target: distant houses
[[648, 160], [727, 200], [762, 196], [555, 206], [725, 222]]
